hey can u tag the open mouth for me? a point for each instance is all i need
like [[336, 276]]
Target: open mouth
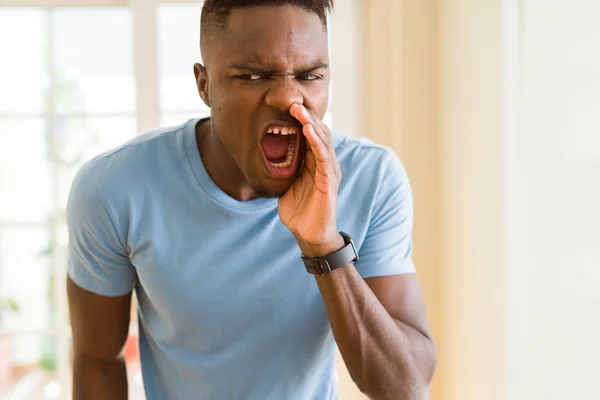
[[280, 145]]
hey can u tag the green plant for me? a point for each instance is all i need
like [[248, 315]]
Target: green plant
[[8, 306]]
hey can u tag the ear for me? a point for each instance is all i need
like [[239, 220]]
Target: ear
[[202, 82]]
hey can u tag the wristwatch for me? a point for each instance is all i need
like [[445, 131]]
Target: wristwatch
[[324, 265]]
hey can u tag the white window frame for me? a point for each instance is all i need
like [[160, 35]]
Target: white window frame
[[346, 68]]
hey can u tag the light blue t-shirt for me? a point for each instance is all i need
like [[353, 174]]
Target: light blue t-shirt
[[226, 307]]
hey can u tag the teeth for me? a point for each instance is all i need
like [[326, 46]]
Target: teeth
[[288, 158], [282, 130], [287, 162]]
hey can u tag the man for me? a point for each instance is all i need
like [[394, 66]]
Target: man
[[228, 229]]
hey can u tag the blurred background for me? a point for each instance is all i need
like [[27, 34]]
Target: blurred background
[[493, 105]]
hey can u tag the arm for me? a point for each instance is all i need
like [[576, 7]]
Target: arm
[[101, 279], [100, 326], [380, 327], [379, 322]]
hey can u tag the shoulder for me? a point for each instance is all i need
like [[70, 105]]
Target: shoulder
[[116, 178], [139, 154], [375, 204], [370, 163], [141, 157]]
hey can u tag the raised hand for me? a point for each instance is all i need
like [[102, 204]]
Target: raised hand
[[308, 208]]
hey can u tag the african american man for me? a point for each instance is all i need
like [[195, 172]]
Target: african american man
[[256, 239]]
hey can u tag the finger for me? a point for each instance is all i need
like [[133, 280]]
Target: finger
[[309, 160], [322, 158], [300, 112], [306, 117], [323, 131]]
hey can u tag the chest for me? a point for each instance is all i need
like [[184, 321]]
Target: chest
[[205, 281]]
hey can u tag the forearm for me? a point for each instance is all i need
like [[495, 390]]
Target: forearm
[[95, 379], [386, 358]]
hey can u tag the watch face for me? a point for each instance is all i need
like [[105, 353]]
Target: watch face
[[348, 240], [346, 237]]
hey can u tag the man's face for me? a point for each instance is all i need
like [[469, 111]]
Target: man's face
[[267, 59]]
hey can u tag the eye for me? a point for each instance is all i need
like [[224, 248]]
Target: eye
[[250, 77], [309, 77]]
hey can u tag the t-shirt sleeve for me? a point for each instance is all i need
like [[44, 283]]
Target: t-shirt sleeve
[[98, 261], [387, 247]]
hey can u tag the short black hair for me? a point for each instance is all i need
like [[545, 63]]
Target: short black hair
[[215, 13]]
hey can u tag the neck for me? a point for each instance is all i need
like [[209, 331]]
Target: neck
[[219, 164]]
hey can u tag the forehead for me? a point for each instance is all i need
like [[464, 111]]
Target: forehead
[[275, 35]]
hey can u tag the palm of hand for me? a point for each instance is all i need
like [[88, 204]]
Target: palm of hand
[[308, 207]]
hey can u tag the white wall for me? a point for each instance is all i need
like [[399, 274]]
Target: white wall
[[554, 182], [346, 68]]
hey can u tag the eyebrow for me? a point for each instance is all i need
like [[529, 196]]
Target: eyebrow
[[262, 71]]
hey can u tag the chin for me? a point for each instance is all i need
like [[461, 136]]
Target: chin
[[272, 190]]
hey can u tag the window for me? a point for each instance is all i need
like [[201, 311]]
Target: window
[[178, 49], [69, 89], [57, 109]]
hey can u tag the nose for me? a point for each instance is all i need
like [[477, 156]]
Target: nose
[[284, 93]]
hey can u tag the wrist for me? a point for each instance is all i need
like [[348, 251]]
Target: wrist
[[321, 250]]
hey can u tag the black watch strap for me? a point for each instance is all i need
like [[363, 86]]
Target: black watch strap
[[324, 265]]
